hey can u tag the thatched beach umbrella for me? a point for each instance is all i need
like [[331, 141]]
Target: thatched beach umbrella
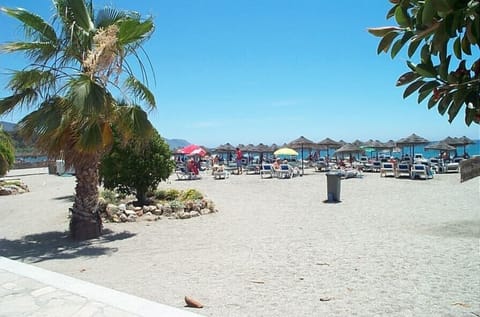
[[441, 146], [348, 148], [225, 148], [465, 141], [329, 144], [411, 141], [301, 143]]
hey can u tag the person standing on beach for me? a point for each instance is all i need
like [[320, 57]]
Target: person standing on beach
[[239, 156]]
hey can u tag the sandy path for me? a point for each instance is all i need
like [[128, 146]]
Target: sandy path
[[392, 247]]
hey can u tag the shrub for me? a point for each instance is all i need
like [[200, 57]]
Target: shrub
[[7, 153], [191, 194], [136, 168]]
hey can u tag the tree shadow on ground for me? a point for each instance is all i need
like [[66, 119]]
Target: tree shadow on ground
[[457, 229], [70, 198], [51, 245]]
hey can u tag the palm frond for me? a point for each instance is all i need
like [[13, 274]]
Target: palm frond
[[34, 25], [45, 125], [31, 79], [89, 97], [21, 98], [131, 121], [140, 91], [90, 140], [38, 51], [132, 31], [108, 16], [76, 14]]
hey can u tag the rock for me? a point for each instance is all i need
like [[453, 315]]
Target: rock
[[157, 212], [149, 208], [166, 210], [193, 302], [129, 212], [194, 213], [111, 210], [123, 217], [5, 191], [138, 211], [149, 217], [205, 211], [132, 218], [122, 207]]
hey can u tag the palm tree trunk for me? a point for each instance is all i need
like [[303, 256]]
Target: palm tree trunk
[[85, 222]]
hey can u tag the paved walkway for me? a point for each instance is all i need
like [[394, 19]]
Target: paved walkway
[[26, 290]]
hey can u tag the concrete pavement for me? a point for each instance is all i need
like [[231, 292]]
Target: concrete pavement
[[26, 290]]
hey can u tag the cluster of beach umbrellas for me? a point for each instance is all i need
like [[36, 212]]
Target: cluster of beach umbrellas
[[340, 147]]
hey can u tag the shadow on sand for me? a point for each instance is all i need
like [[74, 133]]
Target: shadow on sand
[[457, 229], [51, 245]]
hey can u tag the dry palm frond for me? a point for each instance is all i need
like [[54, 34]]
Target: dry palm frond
[[103, 59]]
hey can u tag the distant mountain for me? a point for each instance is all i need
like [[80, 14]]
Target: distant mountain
[[176, 143], [8, 126]]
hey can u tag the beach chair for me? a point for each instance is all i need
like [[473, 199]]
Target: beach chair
[[403, 170], [387, 169], [266, 170], [419, 171], [183, 174], [376, 166], [284, 171]]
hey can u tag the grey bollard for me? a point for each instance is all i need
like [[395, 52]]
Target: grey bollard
[[333, 186]]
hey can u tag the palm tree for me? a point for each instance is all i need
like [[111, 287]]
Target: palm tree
[[76, 63]]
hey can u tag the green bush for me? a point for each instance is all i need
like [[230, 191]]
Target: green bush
[[191, 194], [137, 168], [7, 153]]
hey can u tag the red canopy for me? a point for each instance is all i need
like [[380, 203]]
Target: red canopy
[[192, 149]]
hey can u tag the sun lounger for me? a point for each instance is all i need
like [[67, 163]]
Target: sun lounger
[[349, 173], [387, 169], [403, 170], [376, 166], [266, 170], [284, 171], [183, 174], [420, 171], [221, 174]]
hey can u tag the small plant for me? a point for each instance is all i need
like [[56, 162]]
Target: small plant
[[110, 196], [191, 194], [172, 194], [176, 205], [160, 194]]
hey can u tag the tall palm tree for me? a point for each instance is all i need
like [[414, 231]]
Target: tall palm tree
[[76, 64]]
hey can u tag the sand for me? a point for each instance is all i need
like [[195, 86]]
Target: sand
[[392, 247]]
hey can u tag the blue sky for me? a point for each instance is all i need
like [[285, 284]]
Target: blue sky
[[269, 71]]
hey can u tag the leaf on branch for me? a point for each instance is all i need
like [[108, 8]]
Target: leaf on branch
[[428, 13], [441, 6], [386, 41], [457, 48], [412, 88], [406, 78], [382, 31], [402, 17], [444, 104], [426, 70]]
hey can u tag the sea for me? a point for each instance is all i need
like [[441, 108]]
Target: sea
[[471, 149]]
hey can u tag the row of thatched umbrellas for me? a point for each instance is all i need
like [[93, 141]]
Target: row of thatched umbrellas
[[341, 147], [301, 143]]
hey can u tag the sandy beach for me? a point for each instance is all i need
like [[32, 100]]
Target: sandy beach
[[392, 247]]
